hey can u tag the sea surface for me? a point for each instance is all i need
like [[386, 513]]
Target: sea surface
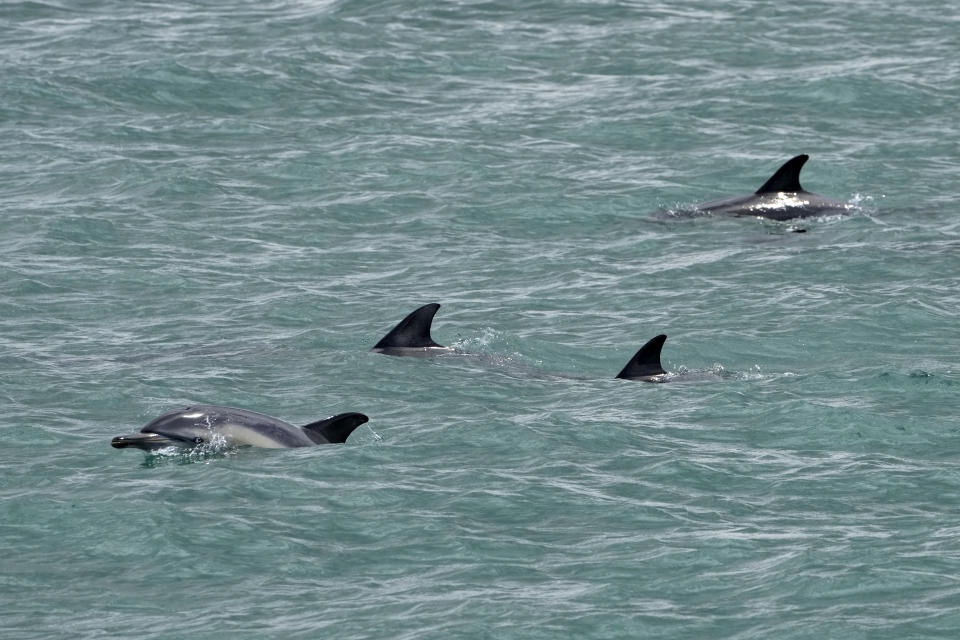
[[231, 202]]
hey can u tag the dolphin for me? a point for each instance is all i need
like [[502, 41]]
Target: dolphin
[[780, 198], [411, 337], [645, 363], [202, 424]]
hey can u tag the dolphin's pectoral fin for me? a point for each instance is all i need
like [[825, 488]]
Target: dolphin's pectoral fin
[[413, 331], [787, 177], [334, 429], [646, 361]]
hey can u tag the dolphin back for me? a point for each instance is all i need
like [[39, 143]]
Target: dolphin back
[[334, 429], [412, 332], [646, 361]]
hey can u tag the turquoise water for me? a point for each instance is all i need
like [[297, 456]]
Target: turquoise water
[[230, 203]]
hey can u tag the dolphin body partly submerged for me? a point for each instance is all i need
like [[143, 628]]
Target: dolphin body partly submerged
[[645, 366], [645, 363], [780, 198], [203, 424], [411, 336]]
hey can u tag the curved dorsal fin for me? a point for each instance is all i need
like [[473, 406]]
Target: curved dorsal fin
[[413, 331], [646, 361], [334, 429], [787, 177]]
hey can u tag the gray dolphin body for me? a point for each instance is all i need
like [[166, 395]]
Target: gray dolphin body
[[780, 198], [201, 424], [411, 336]]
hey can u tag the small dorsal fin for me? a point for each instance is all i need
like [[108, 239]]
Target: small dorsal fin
[[787, 177], [413, 331], [646, 361], [334, 429]]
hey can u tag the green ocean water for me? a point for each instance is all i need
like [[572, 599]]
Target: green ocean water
[[231, 202]]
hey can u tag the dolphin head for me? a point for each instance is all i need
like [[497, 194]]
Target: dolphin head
[[180, 428]]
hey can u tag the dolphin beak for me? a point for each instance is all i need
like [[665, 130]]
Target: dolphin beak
[[145, 441]]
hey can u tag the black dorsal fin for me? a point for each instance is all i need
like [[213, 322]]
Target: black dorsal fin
[[413, 331], [646, 361], [334, 429], [787, 177]]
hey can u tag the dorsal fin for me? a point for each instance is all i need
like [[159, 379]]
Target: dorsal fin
[[413, 331], [646, 361], [787, 177], [334, 429]]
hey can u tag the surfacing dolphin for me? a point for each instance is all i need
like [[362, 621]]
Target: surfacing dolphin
[[645, 363], [780, 198], [645, 366], [411, 336], [203, 424]]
